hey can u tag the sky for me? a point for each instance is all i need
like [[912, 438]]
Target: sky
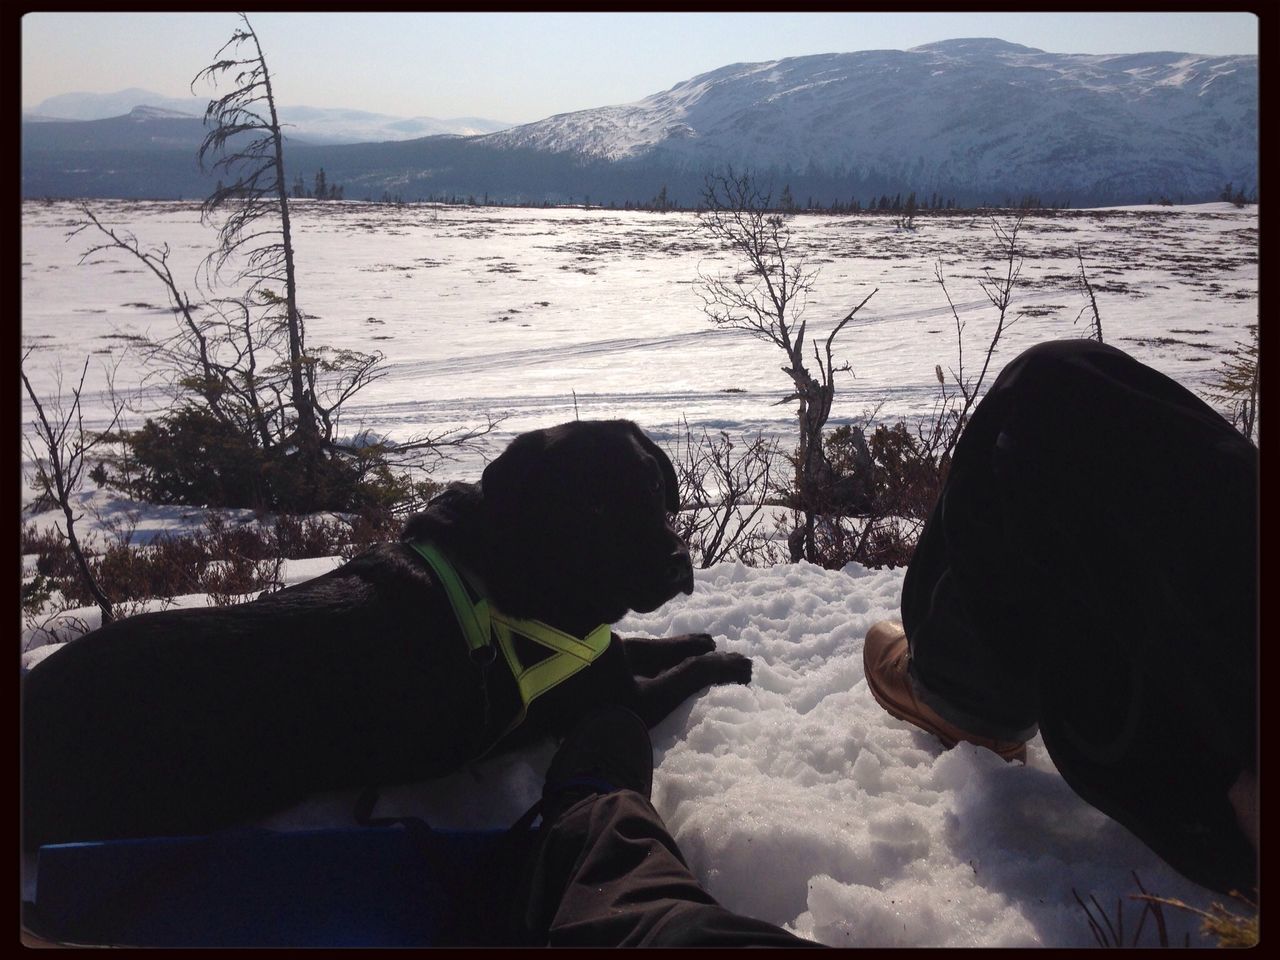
[[521, 67]]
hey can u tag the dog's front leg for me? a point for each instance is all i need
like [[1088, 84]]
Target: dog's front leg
[[649, 656], [660, 695]]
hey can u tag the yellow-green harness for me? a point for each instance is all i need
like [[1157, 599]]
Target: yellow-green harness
[[481, 623]]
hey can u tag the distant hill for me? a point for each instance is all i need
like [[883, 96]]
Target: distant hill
[[101, 106], [313, 124], [977, 120], [143, 128]]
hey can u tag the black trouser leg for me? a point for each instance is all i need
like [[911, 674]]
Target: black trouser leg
[[625, 884], [1091, 565]]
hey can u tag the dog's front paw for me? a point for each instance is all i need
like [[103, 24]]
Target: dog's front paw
[[734, 668], [694, 644]]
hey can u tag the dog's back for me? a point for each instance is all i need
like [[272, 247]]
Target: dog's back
[[184, 721]]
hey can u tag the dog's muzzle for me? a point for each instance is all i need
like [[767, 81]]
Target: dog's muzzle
[[680, 572]]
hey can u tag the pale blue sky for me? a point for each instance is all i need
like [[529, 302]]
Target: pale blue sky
[[519, 67]]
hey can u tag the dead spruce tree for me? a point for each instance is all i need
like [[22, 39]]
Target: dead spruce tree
[[766, 297], [261, 405], [245, 147], [1095, 326]]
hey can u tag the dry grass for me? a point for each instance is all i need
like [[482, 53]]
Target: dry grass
[[1230, 929]]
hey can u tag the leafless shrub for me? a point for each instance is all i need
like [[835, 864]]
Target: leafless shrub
[[224, 560], [724, 485], [951, 412], [241, 567], [58, 451]]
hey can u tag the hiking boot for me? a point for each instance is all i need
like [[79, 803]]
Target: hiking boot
[[609, 750], [885, 657]]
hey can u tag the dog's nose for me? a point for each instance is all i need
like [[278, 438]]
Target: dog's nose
[[680, 572]]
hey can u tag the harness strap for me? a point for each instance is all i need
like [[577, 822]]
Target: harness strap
[[481, 623], [570, 654], [473, 617]]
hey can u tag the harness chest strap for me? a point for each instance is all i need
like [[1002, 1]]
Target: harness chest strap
[[481, 623]]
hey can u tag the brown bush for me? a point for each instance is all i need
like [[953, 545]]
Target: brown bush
[[222, 560]]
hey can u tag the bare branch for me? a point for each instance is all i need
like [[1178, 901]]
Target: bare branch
[[66, 450], [1095, 329]]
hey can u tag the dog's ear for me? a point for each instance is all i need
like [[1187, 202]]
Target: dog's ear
[[669, 480], [505, 481]]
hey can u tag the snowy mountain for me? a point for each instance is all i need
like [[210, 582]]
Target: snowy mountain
[[977, 121], [956, 115], [313, 124]]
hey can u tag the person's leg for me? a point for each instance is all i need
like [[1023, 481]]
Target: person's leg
[[606, 873], [625, 884], [960, 597], [1091, 564]]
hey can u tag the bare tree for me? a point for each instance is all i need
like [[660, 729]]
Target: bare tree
[[58, 451], [766, 297]]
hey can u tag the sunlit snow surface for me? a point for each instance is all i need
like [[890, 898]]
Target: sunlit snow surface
[[795, 799], [511, 312]]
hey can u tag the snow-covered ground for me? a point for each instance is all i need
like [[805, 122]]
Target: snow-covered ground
[[795, 799], [513, 312]]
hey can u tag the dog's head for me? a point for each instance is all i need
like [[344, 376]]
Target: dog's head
[[579, 519]]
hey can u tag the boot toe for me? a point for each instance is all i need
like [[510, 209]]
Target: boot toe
[[885, 659]]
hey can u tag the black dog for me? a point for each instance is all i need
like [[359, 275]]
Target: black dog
[[186, 721]]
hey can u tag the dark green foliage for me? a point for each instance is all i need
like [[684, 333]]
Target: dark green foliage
[[190, 456], [35, 593], [1236, 383], [905, 478], [1233, 196]]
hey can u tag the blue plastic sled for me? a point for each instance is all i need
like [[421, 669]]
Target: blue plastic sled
[[363, 887]]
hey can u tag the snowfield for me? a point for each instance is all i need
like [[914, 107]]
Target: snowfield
[[795, 799], [513, 312]]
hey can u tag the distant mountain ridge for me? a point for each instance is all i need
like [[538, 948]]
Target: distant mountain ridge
[[313, 124], [978, 120], [103, 106]]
